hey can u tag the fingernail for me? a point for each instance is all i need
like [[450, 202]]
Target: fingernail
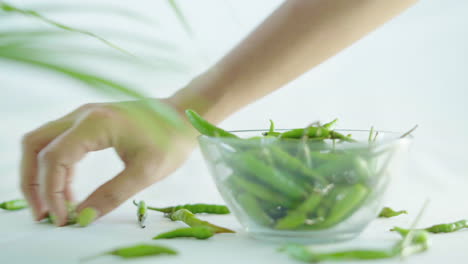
[[37, 215], [87, 216]]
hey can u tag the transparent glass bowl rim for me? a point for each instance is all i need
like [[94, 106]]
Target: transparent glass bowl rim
[[395, 137]]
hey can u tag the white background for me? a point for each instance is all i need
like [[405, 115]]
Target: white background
[[414, 70]]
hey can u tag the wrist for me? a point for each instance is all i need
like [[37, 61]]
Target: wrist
[[206, 94]]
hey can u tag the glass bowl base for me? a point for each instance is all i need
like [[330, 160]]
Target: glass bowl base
[[322, 237]]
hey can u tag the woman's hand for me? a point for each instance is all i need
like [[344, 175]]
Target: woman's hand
[[149, 147]]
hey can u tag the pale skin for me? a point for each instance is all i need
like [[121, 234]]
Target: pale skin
[[299, 35]]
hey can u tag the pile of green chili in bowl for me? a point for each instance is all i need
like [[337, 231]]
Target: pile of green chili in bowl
[[312, 184]]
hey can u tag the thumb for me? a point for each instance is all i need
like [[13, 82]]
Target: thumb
[[111, 194]]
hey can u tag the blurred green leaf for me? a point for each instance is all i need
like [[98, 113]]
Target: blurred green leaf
[[10, 8], [48, 34], [99, 83], [51, 50], [181, 17], [73, 8]]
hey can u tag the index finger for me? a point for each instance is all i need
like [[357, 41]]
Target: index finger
[[58, 159], [32, 144]]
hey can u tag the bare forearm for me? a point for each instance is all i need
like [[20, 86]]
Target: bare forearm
[[299, 35]]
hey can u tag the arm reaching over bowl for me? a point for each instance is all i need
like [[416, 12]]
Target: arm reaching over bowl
[[299, 35]]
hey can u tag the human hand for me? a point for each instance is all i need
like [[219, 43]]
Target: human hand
[[149, 147]]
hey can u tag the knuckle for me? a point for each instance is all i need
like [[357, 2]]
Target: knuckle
[[33, 139], [47, 156], [26, 188], [28, 140], [86, 107], [51, 195], [101, 114]]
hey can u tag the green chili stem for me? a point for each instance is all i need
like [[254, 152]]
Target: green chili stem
[[409, 132]]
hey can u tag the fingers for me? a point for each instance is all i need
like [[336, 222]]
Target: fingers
[[33, 143], [68, 190], [56, 161], [117, 190]]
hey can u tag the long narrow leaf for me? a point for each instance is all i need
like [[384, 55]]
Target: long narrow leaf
[[48, 34], [181, 17], [69, 52], [98, 83], [9, 8], [101, 9]]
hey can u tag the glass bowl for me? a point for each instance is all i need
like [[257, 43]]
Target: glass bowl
[[305, 191]]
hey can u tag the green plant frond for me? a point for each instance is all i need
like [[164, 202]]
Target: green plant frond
[[150, 62], [100, 9], [98, 83], [180, 16], [35, 35], [9, 8], [34, 48]]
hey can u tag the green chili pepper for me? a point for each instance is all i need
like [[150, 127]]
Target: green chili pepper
[[199, 232], [252, 208], [274, 211], [137, 251], [447, 228], [14, 205], [402, 231], [344, 168], [142, 250], [260, 191], [293, 164], [309, 132], [321, 212], [298, 217], [347, 200], [248, 163], [388, 212], [199, 208], [302, 253], [255, 138], [141, 213], [71, 214], [336, 135], [324, 207], [440, 228], [362, 169], [272, 134], [190, 219], [320, 132], [87, 216], [418, 243], [205, 127]]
